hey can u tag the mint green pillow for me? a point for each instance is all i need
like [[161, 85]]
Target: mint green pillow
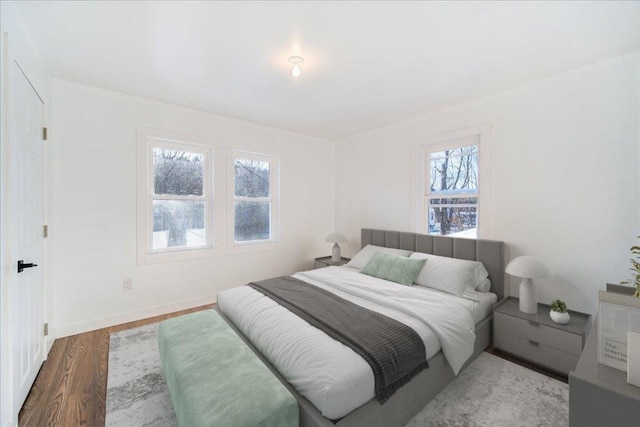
[[394, 268]]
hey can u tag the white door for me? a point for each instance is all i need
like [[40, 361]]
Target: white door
[[25, 225]]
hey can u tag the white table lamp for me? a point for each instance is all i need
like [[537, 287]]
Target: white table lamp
[[336, 238], [528, 268]]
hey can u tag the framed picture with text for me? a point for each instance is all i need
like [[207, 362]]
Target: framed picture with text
[[617, 315]]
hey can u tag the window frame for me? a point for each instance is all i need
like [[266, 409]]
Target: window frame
[[207, 191], [221, 223], [479, 135], [273, 197], [429, 196]]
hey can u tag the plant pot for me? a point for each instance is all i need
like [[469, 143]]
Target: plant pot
[[561, 318]]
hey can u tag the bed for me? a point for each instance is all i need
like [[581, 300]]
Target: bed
[[352, 403]]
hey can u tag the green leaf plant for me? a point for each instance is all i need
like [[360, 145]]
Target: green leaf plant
[[558, 306], [635, 267]]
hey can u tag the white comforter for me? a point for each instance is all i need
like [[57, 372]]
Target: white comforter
[[331, 375]]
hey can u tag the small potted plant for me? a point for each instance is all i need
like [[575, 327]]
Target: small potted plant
[[559, 312], [635, 267]]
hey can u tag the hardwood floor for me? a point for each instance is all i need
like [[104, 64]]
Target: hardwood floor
[[71, 387]]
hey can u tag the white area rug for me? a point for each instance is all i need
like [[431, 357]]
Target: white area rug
[[495, 392], [137, 393], [489, 392]]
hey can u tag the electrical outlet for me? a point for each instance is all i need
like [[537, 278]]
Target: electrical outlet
[[127, 284]]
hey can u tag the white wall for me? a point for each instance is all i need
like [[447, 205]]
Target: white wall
[[93, 232], [565, 178]]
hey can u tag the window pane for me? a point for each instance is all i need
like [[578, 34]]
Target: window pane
[[251, 178], [177, 173], [454, 171], [178, 223], [252, 221], [451, 216]]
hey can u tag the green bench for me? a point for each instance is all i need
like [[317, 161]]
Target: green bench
[[214, 379]]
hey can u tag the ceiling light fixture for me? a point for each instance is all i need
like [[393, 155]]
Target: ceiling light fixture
[[296, 61]]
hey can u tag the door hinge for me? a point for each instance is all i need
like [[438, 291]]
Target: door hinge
[[44, 134], [46, 329], [45, 231]]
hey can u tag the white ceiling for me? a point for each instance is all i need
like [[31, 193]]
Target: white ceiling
[[367, 64]]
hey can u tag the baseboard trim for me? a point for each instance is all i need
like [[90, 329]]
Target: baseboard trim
[[105, 322]]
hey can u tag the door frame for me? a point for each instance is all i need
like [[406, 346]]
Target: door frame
[[26, 292], [16, 46], [6, 351]]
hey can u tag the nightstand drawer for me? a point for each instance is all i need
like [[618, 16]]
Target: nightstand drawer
[[536, 352], [548, 336]]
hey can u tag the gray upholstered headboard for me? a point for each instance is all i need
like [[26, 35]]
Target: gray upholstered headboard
[[489, 252]]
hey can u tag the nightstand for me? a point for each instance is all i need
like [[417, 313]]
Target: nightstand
[[326, 262], [537, 338]]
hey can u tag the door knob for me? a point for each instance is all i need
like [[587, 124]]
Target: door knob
[[22, 265]]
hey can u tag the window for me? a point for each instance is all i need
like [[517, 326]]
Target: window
[[197, 197], [254, 201], [180, 196], [451, 199], [450, 185]]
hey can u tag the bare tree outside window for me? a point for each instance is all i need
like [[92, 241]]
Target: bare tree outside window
[[452, 202], [178, 207], [252, 200], [177, 172], [251, 178]]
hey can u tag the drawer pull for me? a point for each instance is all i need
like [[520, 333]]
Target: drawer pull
[[532, 323], [534, 343]]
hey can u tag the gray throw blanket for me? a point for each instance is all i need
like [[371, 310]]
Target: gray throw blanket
[[395, 352]]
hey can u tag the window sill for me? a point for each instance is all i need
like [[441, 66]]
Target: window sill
[[187, 255]]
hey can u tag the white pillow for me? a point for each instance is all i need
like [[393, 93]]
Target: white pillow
[[365, 254], [470, 294], [484, 286], [450, 275]]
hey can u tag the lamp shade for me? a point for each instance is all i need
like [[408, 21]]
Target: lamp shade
[[527, 267], [336, 238]]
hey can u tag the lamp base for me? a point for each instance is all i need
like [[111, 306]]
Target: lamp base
[[528, 297], [335, 253]]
